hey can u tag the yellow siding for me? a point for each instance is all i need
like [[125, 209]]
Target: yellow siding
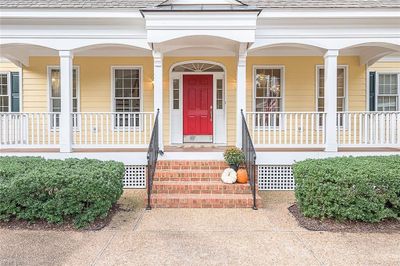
[[385, 67], [95, 82], [7, 66], [300, 81]]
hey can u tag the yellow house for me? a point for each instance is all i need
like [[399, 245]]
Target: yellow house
[[190, 78]]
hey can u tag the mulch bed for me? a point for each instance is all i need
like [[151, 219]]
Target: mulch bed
[[312, 224], [68, 225]]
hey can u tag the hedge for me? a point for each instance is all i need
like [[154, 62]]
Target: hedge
[[349, 188], [80, 190]]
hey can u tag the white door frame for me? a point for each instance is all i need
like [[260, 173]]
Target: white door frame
[[216, 75]]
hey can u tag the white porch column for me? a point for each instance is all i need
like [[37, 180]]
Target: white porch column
[[66, 73], [330, 91], [240, 92], [158, 93]]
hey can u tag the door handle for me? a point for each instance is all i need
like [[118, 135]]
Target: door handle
[[211, 113]]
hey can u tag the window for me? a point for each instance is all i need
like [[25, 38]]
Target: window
[[175, 87], [4, 93], [127, 96], [55, 92], [387, 95], [220, 94], [341, 89], [268, 94]]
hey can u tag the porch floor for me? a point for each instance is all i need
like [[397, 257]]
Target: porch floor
[[195, 148]]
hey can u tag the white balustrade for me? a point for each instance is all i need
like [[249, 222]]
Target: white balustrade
[[96, 130], [368, 129], [280, 129], [29, 129]]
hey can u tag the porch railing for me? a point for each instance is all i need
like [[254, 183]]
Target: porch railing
[[29, 129], [112, 129], [278, 129], [368, 128], [250, 158], [152, 156]]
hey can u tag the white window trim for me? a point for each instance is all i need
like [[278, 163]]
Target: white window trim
[[283, 81], [78, 92], [113, 107], [377, 89], [8, 89], [78, 86], [283, 89], [346, 86]]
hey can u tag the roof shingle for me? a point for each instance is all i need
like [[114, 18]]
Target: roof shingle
[[152, 3]]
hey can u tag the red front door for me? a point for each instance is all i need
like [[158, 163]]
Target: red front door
[[197, 104]]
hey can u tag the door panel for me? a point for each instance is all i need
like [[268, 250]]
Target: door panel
[[197, 104]]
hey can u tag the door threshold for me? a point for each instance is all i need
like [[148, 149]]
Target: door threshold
[[198, 139]]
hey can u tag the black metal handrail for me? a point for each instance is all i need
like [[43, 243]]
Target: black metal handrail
[[250, 158], [152, 156]]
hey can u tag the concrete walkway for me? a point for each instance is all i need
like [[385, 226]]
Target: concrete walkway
[[199, 237]]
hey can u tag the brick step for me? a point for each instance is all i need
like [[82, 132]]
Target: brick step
[[187, 175], [191, 165], [203, 201], [199, 187]]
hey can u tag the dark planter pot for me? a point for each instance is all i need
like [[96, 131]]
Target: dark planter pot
[[234, 167]]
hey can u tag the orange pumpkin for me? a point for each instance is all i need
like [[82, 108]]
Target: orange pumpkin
[[242, 176]]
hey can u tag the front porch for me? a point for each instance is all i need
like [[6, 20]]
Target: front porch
[[294, 98], [130, 132]]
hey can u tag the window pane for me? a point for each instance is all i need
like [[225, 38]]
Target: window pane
[[135, 92], [119, 83], [127, 83], [176, 104], [268, 105], [3, 86], [75, 105], [340, 104], [119, 73], [387, 103], [3, 103], [118, 93], [321, 105], [56, 105], [55, 83]]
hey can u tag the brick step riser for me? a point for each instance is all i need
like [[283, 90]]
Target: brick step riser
[[187, 175], [200, 203], [192, 163], [189, 168], [173, 189], [189, 179]]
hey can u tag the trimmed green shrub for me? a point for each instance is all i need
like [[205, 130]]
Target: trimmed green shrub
[[349, 188], [80, 190]]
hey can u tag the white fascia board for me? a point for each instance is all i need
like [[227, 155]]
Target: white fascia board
[[164, 26], [70, 13], [201, 20], [330, 13]]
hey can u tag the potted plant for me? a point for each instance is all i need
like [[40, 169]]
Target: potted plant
[[234, 157]]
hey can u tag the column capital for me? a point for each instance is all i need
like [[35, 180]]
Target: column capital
[[331, 53], [65, 53], [157, 57]]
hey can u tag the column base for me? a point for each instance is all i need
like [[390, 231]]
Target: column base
[[331, 148]]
